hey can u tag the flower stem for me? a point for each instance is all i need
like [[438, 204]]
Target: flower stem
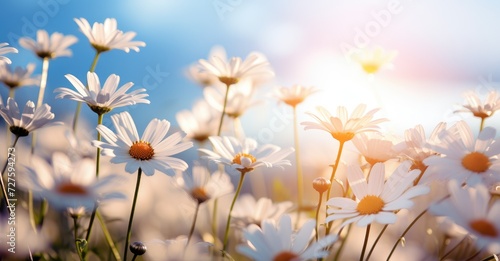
[[317, 215], [482, 123], [223, 110], [79, 104], [41, 93], [226, 234], [342, 245], [214, 221], [376, 241], [193, 224], [97, 164], [4, 190], [300, 177], [107, 236], [129, 228], [332, 178], [77, 244], [367, 234]]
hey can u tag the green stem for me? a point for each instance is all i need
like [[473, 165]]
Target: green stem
[[376, 241], [41, 94], [191, 231], [452, 249], [97, 165], [404, 233], [108, 237], [367, 234], [12, 92], [129, 228], [4, 190], [317, 215], [342, 245], [214, 221], [223, 110], [298, 164], [482, 123], [332, 178], [79, 104], [77, 245], [226, 234]]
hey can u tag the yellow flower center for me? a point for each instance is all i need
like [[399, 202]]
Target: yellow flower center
[[481, 114], [476, 162], [293, 101], [285, 256], [484, 227], [141, 150], [370, 205], [370, 67], [237, 158], [343, 136], [70, 188], [228, 80], [373, 161], [199, 194]]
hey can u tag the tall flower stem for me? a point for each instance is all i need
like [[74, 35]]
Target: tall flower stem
[[367, 234], [77, 245], [375, 243], [482, 123], [108, 238], [131, 218], [317, 215], [4, 190], [79, 104], [97, 166], [41, 94], [342, 245], [332, 177], [226, 234], [223, 109], [191, 230], [298, 164]]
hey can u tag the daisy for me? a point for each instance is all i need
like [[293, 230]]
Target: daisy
[[202, 186], [67, 184], [102, 100], [481, 109], [472, 209], [277, 241], [249, 210], [239, 98], [21, 124], [19, 76], [49, 47], [245, 155], [106, 36], [231, 72], [377, 149], [373, 60], [376, 200], [204, 78], [294, 95], [465, 158], [5, 50], [151, 152], [200, 123], [343, 128]]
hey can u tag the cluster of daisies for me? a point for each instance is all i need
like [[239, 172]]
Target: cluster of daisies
[[441, 188]]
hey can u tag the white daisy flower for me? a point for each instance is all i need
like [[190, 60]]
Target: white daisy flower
[[21, 124], [472, 209], [465, 158], [373, 60], [106, 36], [245, 155], [202, 186], [481, 109], [278, 241], [102, 100], [248, 210], [254, 67], [5, 50], [200, 123], [202, 77], [19, 76], [294, 95], [376, 148], [239, 98], [376, 200], [343, 128], [67, 184], [151, 152], [49, 47]]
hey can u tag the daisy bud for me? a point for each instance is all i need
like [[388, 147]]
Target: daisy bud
[[138, 248], [321, 184]]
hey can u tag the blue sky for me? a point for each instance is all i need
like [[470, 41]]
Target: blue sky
[[444, 48]]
